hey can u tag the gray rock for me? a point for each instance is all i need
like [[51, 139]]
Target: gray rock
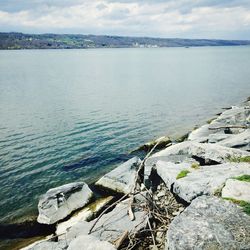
[[88, 242], [218, 137], [113, 224], [203, 181], [60, 202], [200, 134], [122, 178], [234, 116], [47, 244], [168, 171], [209, 223], [151, 161], [241, 140], [238, 190], [85, 214], [205, 151]]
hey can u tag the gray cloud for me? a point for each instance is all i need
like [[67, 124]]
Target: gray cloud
[[118, 14], [101, 6], [164, 18], [22, 5]]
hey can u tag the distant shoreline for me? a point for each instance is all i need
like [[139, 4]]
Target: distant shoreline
[[102, 48], [19, 41]]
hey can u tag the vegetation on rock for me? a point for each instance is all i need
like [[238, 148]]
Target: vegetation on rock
[[182, 174], [240, 159], [245, 205], [195, 165], [244, 177]]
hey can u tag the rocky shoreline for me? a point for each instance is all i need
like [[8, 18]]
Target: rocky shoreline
[[192, 194]]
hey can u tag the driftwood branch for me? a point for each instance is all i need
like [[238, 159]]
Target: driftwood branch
[[153, 238], [229, 126], [119, 241], [130, 211]]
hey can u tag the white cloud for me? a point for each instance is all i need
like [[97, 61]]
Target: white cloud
[[209, 19]]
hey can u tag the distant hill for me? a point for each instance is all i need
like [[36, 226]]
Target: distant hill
[[68, 41]]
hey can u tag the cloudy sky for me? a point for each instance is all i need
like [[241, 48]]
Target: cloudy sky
[[225, 19]]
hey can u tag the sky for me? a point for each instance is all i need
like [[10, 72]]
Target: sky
[[221, 19]]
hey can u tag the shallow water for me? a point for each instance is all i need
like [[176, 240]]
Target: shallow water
[[68, 115]]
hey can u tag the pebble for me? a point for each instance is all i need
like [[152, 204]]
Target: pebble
[[161, 193]]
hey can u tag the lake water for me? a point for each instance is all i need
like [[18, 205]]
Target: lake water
[[70, 115]]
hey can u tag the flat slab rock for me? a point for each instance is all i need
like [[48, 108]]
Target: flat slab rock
[[238, 190], [201, 134], [209, 223], [57, 203], [203, 181], [241, 140], [47, 244], [234, 116], [84, 214], [205, 151], [122, 178], [88, 242], [113, 224]]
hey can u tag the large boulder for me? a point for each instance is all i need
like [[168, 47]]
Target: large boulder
[[205, 151], [238, 190], [200, 134], [209, 223], [88, 242], [122, 178], [205, 180], [57, 203], [150, 164], [241, 140], [234, 116]]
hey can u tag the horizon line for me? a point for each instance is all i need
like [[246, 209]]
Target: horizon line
[[106, 35]]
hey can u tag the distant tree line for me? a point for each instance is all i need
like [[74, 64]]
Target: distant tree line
[[15, 40]]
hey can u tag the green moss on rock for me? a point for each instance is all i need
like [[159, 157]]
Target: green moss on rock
[[240, 159], [244, 177], [182, 174]]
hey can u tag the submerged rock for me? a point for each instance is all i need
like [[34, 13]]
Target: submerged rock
[[61, 201], [238, 190], [209, 223], [122, 178], [203, 181], [88, 242]]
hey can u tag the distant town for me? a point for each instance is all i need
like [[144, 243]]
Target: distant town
[[15, 40]]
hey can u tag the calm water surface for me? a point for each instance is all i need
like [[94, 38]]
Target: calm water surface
[[70, 115]]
